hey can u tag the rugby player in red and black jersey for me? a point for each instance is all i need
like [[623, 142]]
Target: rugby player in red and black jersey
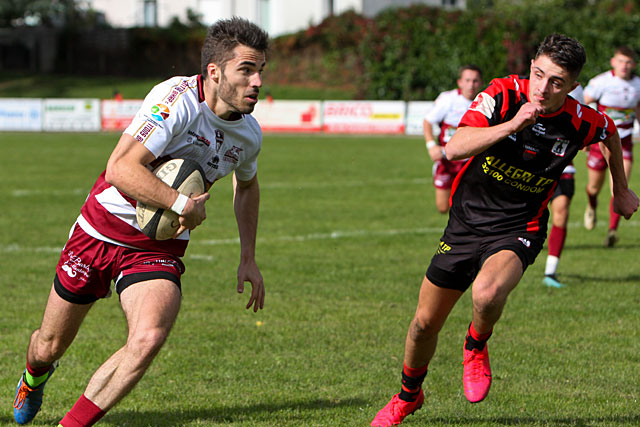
[[520, 133]]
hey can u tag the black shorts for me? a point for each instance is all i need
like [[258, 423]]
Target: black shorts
[[566, 186], [460, 254]]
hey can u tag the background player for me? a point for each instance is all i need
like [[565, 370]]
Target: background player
[[520, 134], [204, 118], [617, 93], [449, 108], [559, 207]]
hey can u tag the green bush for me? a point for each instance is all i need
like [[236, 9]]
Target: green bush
[[414, 53]]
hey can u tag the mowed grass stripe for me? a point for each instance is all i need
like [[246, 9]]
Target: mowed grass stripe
[[347, 228]]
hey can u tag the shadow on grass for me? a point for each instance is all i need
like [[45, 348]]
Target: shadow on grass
[[258, 413], [617, 420], [578, 278], [622, 245]]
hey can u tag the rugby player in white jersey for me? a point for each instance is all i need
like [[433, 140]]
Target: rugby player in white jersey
[[446, 113], [204, 118], [616, 93], [559, 206]]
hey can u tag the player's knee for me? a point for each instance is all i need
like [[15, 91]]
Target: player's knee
[[47, 349], [488, 296], [146, 344], [423, 328]]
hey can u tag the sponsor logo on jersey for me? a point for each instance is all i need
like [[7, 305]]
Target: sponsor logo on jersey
[[231, 155], [199, 139], [515, 177], [160, 112], [539, 129], [176, 91], [214, 162], [560, 147], [483, 104], [443, 248], [144, 131], [530, 152], [219, 139], [525, 242]]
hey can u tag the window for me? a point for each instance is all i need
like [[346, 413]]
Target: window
[[150, 13], [264, 15]]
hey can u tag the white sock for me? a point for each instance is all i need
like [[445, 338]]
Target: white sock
[[552, 265]]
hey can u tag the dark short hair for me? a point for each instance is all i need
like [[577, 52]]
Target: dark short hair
[[471, 67], [225, 35], [563, 51], [627, 51]]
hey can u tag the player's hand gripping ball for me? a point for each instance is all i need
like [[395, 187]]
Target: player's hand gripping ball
[[184, 175]]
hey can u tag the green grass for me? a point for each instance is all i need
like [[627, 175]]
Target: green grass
[[347, 228], [63, 86]]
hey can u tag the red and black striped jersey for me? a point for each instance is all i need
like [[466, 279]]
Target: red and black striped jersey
[[507, 187]]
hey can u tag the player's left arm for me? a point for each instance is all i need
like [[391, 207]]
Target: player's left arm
[[637, 111], [246, 202], [625, 201]]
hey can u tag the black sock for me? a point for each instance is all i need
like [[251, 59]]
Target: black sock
[[411, 387]]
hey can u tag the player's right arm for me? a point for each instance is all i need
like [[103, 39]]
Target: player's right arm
[[127, 171], [434, 149], [625, 201], [469, 141]]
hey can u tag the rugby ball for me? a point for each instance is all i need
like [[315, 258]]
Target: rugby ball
[[184, 175]]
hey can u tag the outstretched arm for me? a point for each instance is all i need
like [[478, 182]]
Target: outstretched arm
[[246, 202], [625, 201]]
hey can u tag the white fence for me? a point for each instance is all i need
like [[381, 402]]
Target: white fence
[[94, 115]]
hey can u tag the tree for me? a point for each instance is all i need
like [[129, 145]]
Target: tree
[[56, 13]]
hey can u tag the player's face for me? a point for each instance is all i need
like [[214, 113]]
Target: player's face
[[240, 82], [549, 84], [622, 66], [469, 83]]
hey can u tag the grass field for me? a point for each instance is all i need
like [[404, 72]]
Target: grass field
[[347, 228]]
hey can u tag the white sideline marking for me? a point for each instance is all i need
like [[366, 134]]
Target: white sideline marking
[[265, 185], [323, 236], [14, 248], [38, 192]]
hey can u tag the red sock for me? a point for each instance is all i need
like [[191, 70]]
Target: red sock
[[37, 372], [614, 218], [412, 379], [593, 200], [476, 336], [84, 413], [414, 372], [557, 236]]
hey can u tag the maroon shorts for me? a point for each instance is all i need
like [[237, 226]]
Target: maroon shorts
[[88, 265], [596, 160], [444, 171]]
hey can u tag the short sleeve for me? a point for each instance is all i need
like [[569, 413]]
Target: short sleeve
[[157, 122]]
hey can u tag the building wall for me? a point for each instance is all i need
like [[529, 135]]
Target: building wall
[[276, 16]]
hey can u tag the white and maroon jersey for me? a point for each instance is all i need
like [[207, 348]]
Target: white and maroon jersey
[[449, 108], [173, 122], [578, 94], [617, 98]]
